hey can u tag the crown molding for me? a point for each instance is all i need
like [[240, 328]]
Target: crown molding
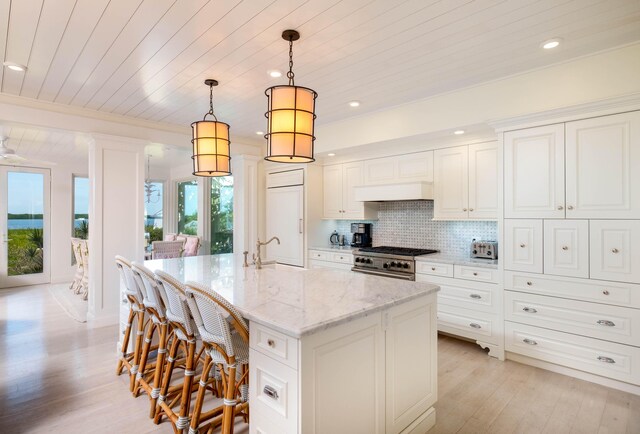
[[590, 109]]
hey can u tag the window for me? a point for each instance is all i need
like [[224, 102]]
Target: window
[[80, 222], [188, 207], [222, 215], [153, 208]]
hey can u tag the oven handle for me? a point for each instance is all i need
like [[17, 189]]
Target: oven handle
[[385, 274]]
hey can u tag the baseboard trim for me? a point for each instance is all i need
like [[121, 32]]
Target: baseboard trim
[[422, 424], [603, 381]]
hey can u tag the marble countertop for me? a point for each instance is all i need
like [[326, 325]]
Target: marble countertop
[[293, 300], [458, 260], [334, 248]]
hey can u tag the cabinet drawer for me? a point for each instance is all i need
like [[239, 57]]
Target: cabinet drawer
[[617, 361], [467, 323], [613, 323], [471, 298], [475, 273], [261, 423], [621, 294], [273, 392], [434, 268], [274, 344], [345, 258], [318, 255]]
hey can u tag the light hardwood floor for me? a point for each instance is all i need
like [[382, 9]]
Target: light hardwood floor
[[57, 376]]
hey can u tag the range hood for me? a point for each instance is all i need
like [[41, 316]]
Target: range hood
[[394, 192]]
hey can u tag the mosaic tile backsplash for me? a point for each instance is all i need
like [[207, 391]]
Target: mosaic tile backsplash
[[409, 224]]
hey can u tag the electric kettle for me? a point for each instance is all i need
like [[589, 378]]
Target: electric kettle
[[334, 239]]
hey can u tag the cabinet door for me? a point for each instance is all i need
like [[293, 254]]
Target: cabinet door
[[523, 245], [483, 181], [351, 176], [380, 171], [285, 214], [566, 248], [332, 191], [451, 183], [415, 167], [615, 250], [534, 173], [603, 157]]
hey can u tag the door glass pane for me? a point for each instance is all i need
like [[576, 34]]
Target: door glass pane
[[80, 210], [188, 207], [25, 205], [154, 194], [222, 215]]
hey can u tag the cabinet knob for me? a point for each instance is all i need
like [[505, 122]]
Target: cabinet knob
[[529, 341], [570, 207], [433, 268], [606, 359], [464, 209], [614, 250], [606, 322], [475, 274], [605, 292], [529, 283], [523, 245], [565, 248], [471, 209], [560, 207], [271, 343]]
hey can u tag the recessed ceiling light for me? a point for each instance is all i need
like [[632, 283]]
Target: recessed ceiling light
[[331, 154], [551, 43], [15, 66], [275, 73], [259, 133], [458, 132], [354, 103]]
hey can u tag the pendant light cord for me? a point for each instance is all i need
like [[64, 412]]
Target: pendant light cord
[[290, 74], [210, 112]]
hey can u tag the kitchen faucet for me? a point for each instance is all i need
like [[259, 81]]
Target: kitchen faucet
[[256, 257]]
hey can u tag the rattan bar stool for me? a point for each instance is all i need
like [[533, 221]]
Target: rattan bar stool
[[136, 310], [149, 377], [225, 337], [185, 335]]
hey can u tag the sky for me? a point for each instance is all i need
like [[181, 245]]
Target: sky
[[81, 195], [26, 193]]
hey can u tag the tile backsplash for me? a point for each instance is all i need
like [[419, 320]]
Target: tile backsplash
[[410, 224]]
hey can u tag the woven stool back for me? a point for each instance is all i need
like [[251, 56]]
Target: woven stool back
[[131, 287], [147, 280], [177, 309]]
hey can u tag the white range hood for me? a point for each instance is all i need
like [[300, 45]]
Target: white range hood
[[393, 192]]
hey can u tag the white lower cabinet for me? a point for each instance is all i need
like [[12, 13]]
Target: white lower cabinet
[[615, 250], [337, 260], [523, 245], [357, 377]]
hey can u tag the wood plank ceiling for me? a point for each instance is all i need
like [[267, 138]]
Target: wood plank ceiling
[[148, 58]]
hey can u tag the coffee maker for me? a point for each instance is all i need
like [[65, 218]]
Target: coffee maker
[[361, 235]]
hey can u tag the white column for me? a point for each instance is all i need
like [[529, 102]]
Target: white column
[[116, 219], [245, 203]]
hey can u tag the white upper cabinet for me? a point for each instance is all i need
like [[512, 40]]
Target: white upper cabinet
[[603, 167], [615, 249], [534, 172], [466, 182], [401, 168], [483, 181], [566, 248], [338, 191], [451, 183]]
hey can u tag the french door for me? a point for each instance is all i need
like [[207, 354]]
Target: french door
[[25, 229]]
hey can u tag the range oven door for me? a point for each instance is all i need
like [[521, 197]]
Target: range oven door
[[393, 274]]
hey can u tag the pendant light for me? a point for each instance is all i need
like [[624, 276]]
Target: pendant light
[[211, 153], [290, 117]]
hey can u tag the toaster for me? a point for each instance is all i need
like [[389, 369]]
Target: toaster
[[484, 249]]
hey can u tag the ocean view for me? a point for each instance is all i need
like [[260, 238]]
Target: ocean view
[[31, 223]]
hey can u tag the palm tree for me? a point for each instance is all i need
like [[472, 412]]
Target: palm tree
[[36, 238]]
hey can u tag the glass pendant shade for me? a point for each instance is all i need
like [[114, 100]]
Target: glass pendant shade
[[211, 153], [290, 123]]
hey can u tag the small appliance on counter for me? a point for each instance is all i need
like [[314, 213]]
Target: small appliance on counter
[[361, 235], [484, 249], [334, 238]]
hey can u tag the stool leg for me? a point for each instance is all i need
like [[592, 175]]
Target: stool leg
[[157, 377], [189, 372], [202, 389], [136, 351], [229, 401], [125, 342], [144, 356], [167, 377]]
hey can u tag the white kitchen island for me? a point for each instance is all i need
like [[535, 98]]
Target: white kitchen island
[[332, 351]]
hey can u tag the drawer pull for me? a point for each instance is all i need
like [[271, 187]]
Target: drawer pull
[[606, 322], [530, 309], [605, 292], [606, 359], [475, 326], [615, 250], [475, 274], [433, 268], [529, 283], [476, 296], [523, 245], [565, 248], [270, 392], [271, 343], [529, 341]]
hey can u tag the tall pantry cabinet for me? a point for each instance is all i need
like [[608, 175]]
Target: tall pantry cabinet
[[572, 245]]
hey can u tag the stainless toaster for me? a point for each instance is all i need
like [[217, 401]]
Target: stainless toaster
[[484, 249]]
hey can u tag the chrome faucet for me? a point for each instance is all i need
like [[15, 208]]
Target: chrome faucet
[[256, 257]]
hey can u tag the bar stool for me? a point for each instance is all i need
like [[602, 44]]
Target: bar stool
[[225, 347], [136, 310], [149, 377], [185, 335]]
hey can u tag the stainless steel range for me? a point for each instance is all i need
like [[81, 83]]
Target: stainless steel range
[[398, 262]]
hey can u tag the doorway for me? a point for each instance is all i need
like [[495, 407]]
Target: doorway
[[25, 228]]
